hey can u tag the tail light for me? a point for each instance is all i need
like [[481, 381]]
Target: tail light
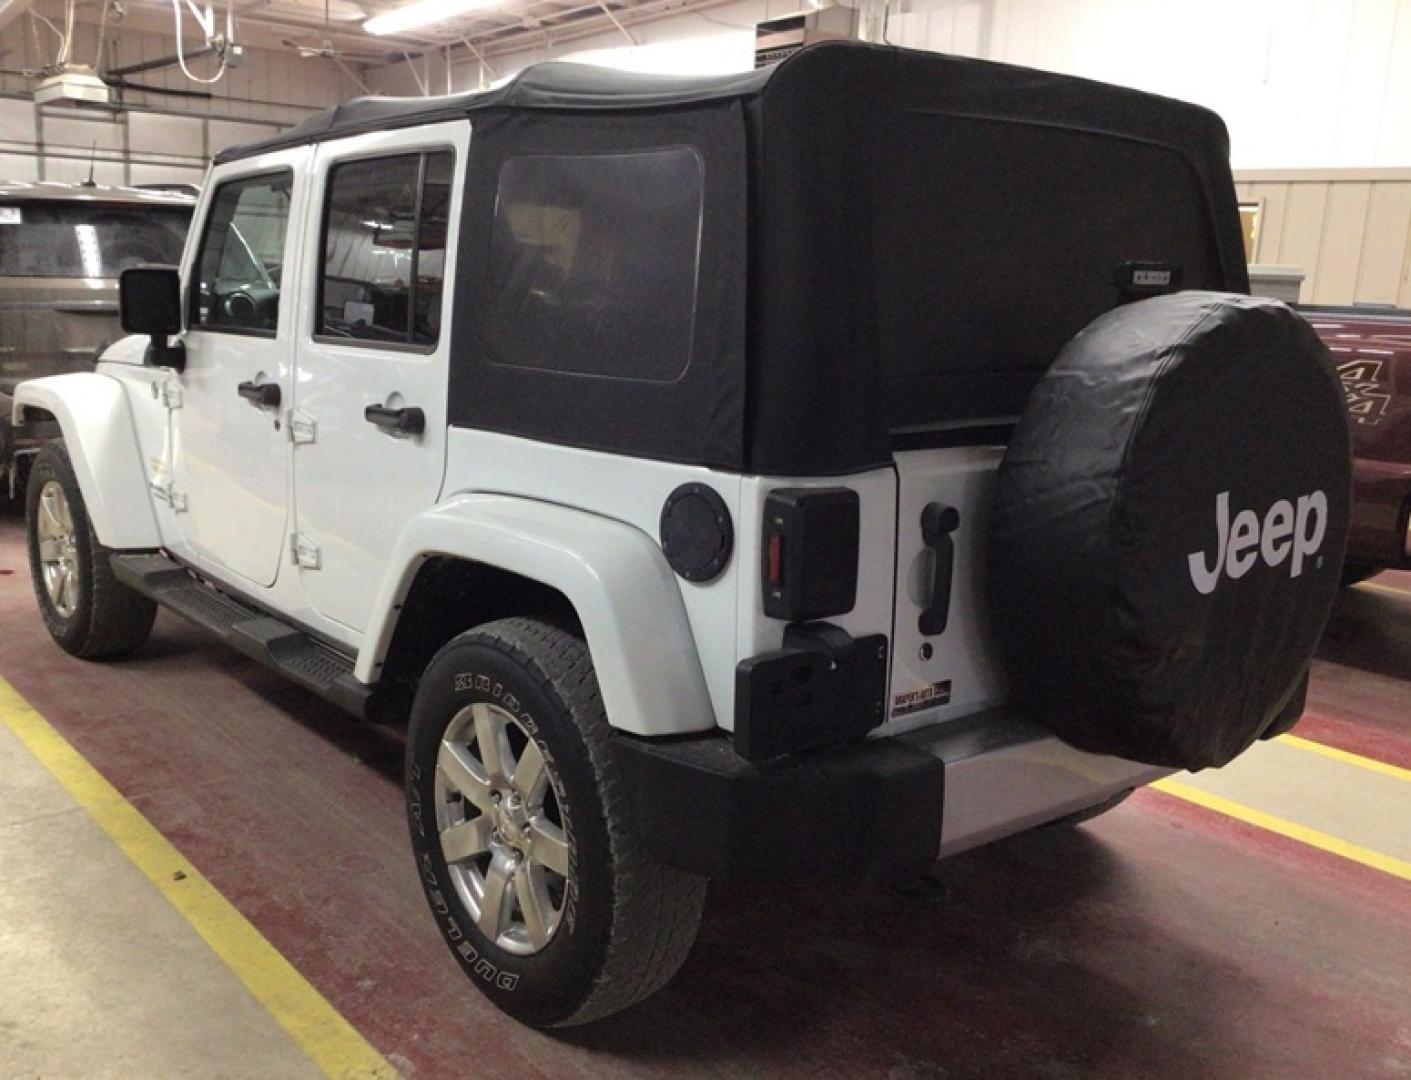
[[810, 552]]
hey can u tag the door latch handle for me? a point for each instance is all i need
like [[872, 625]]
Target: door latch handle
[[265, 395], [407, 421], [938, 522]]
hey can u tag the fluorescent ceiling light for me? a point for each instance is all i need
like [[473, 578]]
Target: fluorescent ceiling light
[[421, 13]]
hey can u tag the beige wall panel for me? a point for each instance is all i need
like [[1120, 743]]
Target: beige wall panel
[[1340, 249], [1271, 224], [1303, 231], [1388, 238]]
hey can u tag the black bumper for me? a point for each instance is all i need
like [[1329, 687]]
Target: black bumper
[[870, 810]]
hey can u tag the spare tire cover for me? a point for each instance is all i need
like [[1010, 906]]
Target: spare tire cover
[[1169, 527]]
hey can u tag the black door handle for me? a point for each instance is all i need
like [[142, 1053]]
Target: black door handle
[[396, 421], [266, 394], [938, 521]]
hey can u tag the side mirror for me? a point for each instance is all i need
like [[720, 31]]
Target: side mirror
[[149, 301]]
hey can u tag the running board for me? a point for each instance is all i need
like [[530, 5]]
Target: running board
[[261, 637]]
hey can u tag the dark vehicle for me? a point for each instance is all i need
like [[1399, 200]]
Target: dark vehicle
[[1372, 349], [62, 247]]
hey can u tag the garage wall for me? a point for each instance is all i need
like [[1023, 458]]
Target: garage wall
[[156, 138], [1301, 83], [1349, 230]]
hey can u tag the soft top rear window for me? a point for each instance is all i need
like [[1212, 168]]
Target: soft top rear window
[[88, 240], [998, 241]]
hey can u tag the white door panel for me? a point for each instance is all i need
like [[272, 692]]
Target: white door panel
[[355, 484], [230, 468]]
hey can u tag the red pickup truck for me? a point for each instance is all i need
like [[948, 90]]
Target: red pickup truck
[[1372, 349]]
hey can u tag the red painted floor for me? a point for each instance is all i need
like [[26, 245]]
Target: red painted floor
[[1159, 941]]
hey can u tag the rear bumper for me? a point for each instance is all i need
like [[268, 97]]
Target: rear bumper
[[878, 810]]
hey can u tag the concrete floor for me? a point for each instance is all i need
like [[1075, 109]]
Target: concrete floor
[[1163, 940]]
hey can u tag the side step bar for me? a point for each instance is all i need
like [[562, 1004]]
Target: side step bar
[[261, 637]]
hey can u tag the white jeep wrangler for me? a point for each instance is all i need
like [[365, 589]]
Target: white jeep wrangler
[[796, 476]]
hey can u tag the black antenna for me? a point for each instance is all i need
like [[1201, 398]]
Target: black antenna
[[92, 159]]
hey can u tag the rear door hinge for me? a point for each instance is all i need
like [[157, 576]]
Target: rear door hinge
[[302, 427], [304, 552]]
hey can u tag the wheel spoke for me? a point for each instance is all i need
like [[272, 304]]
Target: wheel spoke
[[548, 845], [492, 741], [529, 775], [466, 839], [51, 550], [49, 520], [464, 774], [534, 903], [494, 908]]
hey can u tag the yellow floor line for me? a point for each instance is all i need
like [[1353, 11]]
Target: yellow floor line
[[1304, 835], [321, 1032], [1396, 772]]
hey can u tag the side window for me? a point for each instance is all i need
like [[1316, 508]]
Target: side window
[[594, 261], [242, 254], [384, 244]]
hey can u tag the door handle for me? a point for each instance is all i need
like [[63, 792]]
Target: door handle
[[265, 395], [938, 521], [395, 421]]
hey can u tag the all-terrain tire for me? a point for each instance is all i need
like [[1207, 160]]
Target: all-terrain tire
[[108, 619], [627, 922]]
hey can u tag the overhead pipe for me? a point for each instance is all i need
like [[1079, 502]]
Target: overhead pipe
[[160, 62]]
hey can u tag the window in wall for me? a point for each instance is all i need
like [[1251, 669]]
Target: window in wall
[[242, 256], [594, 261], [385, 249], [1250, 216]]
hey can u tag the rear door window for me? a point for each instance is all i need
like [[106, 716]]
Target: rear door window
[[87, 240], [384, 249]]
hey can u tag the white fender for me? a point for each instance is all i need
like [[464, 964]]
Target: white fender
[[96, 420], [614, 575]]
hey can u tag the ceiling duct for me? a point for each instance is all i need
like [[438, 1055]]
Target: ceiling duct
[[774, 39]]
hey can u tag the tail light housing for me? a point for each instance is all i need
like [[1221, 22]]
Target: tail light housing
[[810, 555]]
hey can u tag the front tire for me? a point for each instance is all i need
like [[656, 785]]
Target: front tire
[[522, 834], [86, 609]]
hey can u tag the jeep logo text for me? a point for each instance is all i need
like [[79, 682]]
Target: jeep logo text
[[1287, 532]]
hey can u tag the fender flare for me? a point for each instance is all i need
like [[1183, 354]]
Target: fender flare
[[96, 420], [613, 574]]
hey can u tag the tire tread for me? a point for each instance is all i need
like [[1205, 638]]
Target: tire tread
[[656, 909]]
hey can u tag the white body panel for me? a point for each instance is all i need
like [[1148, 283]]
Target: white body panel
[[96, 420], [615, 576], [357, 487], [231, 457], [631, 490]]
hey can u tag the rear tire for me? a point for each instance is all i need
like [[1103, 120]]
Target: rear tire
[[86, 609], [539, 884]]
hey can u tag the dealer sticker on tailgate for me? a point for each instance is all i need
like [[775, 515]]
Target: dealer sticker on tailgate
[[911, 701]]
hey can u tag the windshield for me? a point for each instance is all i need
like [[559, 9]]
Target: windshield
[[87, 240]]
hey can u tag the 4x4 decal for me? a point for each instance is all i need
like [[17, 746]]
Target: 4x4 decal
[[1367, 394]]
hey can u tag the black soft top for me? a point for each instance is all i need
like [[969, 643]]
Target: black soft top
[[895, 244], [552, 85]]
